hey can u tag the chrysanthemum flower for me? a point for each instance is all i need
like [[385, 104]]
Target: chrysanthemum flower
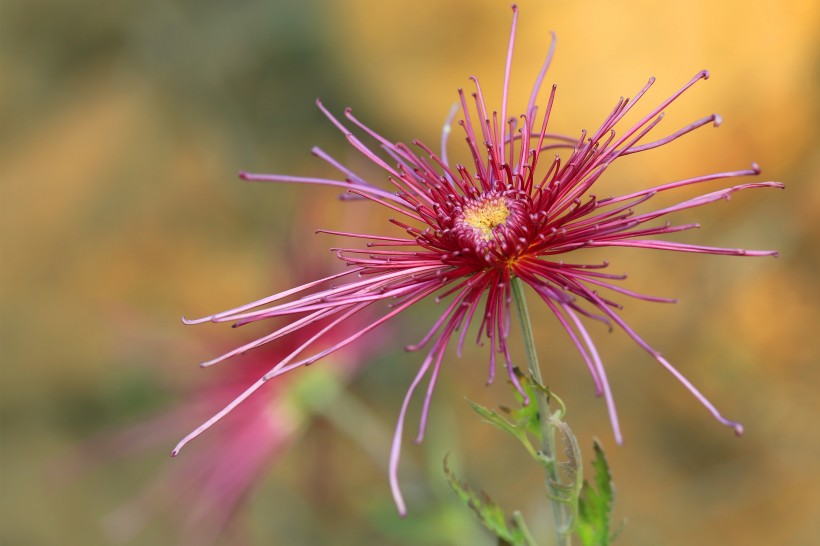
[[206, 492], [461, 233]]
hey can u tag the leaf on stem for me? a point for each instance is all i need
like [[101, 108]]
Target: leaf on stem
[[510, 531], [595, 504]]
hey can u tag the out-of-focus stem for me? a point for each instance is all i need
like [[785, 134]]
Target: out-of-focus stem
[[560, 510]]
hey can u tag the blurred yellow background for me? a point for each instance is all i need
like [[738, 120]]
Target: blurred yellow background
[[123, 127]]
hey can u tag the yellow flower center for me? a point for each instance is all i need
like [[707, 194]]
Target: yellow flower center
[[487, 216]]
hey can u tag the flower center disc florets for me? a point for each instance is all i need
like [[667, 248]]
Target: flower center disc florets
[[490, 226], [485, 216]]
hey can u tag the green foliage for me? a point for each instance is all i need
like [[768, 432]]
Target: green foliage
[[581, 508], [595, 505], [525, 419], [525, 424], [510, 531]]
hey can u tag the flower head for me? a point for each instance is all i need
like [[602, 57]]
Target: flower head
[[520, 209], [206, 492]]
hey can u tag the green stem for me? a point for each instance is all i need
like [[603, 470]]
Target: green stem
[[559, 509]]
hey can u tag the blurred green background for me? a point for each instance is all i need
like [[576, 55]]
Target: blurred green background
[[123, 127]]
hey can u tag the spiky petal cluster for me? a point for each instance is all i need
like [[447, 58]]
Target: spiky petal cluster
[[518, 210]]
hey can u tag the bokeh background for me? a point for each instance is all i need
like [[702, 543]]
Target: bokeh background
[[123, 127]]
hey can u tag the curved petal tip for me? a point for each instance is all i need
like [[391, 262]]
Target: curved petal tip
[[738, 429], [188, 321]]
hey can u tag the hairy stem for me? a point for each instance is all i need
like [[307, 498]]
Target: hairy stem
[[560, 510]]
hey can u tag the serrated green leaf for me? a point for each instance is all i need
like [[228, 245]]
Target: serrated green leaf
[[510, 532], [603, 477], [527, 417], [595, 504], [518, 429], [523, 420]]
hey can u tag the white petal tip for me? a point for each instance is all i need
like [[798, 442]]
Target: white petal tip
[[738, 429]]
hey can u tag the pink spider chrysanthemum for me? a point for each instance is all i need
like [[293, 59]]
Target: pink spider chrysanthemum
[[519, 210], [204, 495]]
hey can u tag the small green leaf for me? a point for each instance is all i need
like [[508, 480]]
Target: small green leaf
[[524, 420], [518, 429], [595, 504], [510, 531], [527, 415]]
